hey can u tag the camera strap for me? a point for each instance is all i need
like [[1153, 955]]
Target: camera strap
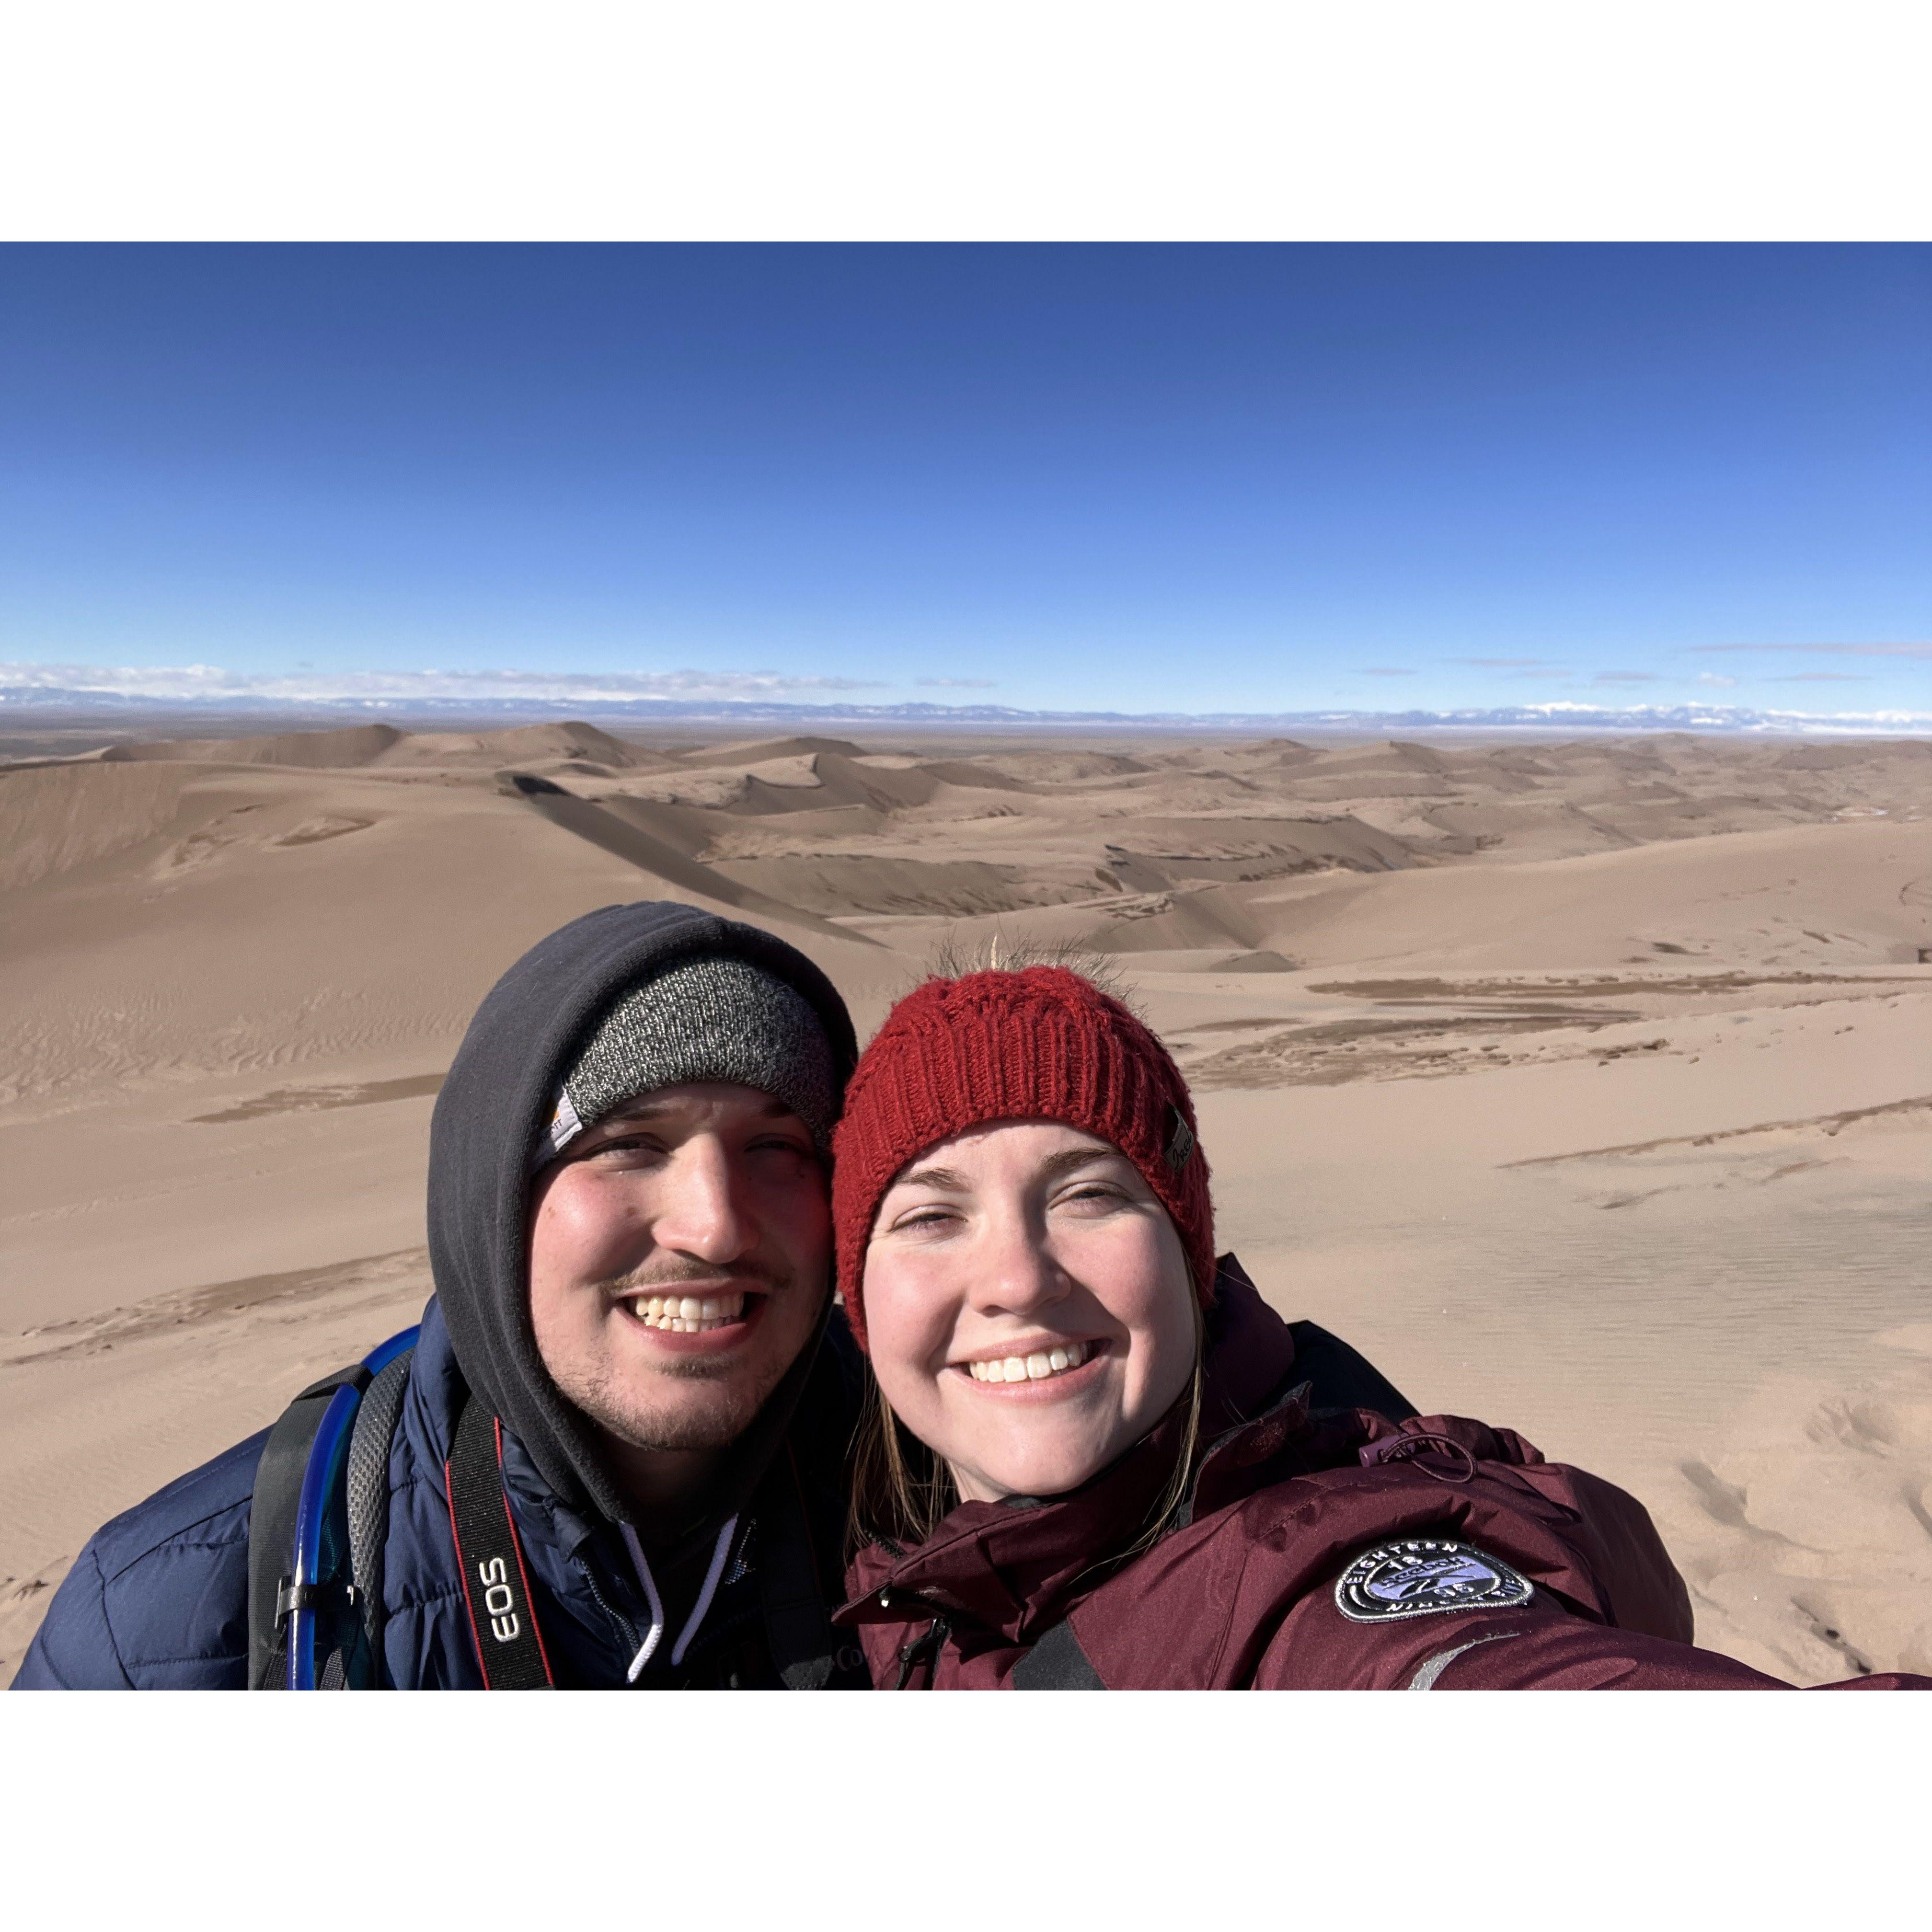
[[490, 1556]]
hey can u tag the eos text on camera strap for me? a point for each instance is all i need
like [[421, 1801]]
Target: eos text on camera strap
[[496, 1584]]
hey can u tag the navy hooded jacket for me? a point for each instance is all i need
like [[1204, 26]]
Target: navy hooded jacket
[[158, 1598]]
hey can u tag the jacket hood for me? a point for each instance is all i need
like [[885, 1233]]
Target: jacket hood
[[495, 1102]]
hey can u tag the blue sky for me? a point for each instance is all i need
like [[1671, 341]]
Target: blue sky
[[1187, 478]]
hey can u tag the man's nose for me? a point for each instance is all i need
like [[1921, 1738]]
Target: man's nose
[[700, 1213]]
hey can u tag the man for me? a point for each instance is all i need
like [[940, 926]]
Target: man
[[631, 1357]]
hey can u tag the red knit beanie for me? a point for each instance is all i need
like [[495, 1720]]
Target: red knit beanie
[[1039, 1044]]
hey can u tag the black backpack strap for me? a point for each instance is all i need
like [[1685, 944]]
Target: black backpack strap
[[798, 1623], [1056, 1663], [490, 1557], [368, 1493], [271, 1522]]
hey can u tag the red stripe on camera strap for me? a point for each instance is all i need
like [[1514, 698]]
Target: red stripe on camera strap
[[490, 1558]]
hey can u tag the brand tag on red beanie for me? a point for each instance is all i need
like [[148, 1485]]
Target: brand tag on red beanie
[[1180, 1142]]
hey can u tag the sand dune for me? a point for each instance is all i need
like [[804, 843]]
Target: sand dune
[[576, 743], [365, 745], [58, 818], [1809, 895], [659, 858], [1587, 1085], [359, 744], [847, 883], [1160, 852], [234, 936], [763, 751]]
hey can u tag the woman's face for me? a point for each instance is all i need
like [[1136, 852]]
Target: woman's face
[[1028, 1306]]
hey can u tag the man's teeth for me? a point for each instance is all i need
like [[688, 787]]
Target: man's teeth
[[1034, 1368], [688, 1314]]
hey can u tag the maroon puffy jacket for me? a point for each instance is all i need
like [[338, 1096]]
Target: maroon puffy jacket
[[1318, 1550]]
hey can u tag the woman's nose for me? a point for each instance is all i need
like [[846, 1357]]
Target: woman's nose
[[699, 1212], [1017, 1274]]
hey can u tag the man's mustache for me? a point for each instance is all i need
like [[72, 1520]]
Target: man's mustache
[[671, 1271]]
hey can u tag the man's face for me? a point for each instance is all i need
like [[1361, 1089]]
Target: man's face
[[680, 1255]]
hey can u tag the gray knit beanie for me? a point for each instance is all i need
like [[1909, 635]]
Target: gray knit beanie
[[720, 1018]]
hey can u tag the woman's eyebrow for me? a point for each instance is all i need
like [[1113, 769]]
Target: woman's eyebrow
[[948, 1180], [1054, 1166]]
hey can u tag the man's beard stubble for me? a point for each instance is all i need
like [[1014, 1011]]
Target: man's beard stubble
[[630, 1416]]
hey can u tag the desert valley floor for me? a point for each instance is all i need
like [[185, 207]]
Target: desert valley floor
[[1585, 1086]]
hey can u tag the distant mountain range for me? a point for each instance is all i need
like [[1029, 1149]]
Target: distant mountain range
[[22, 702]]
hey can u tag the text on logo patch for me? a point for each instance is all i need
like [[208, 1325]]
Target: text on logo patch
[[1423, 1576]]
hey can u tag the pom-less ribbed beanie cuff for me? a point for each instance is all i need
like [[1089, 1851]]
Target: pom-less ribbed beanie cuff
[[1039, 1044], [716, 1019]]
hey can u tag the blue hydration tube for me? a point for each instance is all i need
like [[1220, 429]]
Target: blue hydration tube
[[379, 1359], [319, 1482]]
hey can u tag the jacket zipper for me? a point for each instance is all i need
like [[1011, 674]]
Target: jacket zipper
[[627, 1631], [924, 1650]]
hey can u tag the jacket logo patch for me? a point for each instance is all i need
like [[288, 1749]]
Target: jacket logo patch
[[1423, 1576]]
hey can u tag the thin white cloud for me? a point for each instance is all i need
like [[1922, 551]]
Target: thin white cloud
[[1831, 650], [1627, 677], [1508, 664], [1713, 677], [207, 682], [957, 683], [1821, 677]]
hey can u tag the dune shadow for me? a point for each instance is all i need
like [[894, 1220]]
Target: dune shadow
[[315, 1099]]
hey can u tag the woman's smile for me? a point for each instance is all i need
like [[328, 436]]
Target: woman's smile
[[1044, 1367]]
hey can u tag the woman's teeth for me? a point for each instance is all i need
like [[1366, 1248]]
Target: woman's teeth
[[688, 1314], [1034, 1368]]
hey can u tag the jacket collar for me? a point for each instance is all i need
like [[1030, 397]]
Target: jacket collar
[[1017, 1566]]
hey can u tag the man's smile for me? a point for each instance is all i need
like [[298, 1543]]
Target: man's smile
[[712, 1311]]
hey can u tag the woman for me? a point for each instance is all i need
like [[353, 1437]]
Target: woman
[[1095, 1464]]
